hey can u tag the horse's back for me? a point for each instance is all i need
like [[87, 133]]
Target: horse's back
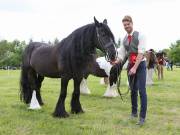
[[28, 52], [41, 57]]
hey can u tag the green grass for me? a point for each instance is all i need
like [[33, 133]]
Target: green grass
[[102, 116]]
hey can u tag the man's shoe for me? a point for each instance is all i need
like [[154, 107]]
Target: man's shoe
[[141, 122], [133, 116]]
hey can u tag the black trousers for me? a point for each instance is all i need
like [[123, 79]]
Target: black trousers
[[139, 84]]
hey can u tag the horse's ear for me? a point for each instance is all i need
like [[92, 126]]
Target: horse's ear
[[105, 21], [96, 21]]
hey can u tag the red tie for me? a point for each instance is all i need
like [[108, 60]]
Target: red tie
[[129, 38]]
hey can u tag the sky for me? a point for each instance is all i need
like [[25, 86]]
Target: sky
[[158, 20]]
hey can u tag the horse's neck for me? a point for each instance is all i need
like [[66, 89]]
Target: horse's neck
[[87, 40]]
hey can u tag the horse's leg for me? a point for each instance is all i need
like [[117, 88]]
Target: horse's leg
[[32, 77], [75, 103], [162, 75], [106, 80], [38, 91], [111, 88], [158, 68], [60, 106]]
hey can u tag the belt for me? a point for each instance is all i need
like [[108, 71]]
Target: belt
[[133, 56]]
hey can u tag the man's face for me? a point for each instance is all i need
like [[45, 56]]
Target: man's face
[[128, 26]]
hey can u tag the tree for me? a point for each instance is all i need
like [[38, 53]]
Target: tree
[[174, 52], [11, 52], [99, 53], [119, 43], [30, 40], [56, 41]]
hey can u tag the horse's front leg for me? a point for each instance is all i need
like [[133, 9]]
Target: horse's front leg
[[60, 106], [75, 102]]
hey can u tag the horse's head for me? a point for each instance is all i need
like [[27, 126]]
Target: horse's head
[[105, 40]]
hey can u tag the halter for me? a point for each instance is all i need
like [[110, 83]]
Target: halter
[[107, 45]]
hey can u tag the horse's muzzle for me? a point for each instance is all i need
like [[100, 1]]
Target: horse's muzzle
[[112, 53]]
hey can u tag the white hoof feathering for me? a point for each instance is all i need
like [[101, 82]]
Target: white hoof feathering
[[102, 81], [34, 102], [84, 88], [111, 91]]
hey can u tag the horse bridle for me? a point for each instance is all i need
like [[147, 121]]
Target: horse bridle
[[105, 46]]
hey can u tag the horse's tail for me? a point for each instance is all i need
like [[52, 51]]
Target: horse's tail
[[25, 88]]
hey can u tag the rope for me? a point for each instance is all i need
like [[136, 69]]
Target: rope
[[131, 82]]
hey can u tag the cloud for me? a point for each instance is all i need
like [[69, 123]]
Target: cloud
[[47, 19], [14, 6]]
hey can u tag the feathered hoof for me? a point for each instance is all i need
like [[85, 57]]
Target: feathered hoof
[[62, 114], [111, 94], [41, 103], [86, 92], [76, 111]]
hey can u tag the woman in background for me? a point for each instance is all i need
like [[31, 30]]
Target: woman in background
[[151, 61]]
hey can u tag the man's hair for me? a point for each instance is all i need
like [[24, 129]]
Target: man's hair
[[127, 18]]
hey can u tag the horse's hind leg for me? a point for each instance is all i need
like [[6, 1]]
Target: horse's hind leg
[[33, 80], [38, 91], [75, 103]]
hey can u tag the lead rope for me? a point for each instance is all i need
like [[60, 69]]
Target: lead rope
[[118, 84], [130, 83]]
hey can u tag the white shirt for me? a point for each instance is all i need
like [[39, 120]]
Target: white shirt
[[141, 46]]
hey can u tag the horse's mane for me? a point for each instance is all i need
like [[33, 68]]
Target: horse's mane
[[81, 44], [81, 36], [76, 48]]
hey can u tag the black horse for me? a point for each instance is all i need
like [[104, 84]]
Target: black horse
[[68, 59]]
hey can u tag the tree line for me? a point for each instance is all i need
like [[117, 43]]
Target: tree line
[[11, 51], [173, 52]]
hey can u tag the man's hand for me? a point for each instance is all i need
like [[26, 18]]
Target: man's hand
[[113, 62], [118, 61], [138, 61], [132, 70], [114, 73], [116, 67]]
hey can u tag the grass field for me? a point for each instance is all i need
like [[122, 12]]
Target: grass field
[[102, 116]]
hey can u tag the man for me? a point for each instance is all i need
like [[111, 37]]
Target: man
[[134, 47]]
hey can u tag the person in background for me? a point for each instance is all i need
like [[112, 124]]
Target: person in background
[[171, 65], [151, 61], [161, 63]]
